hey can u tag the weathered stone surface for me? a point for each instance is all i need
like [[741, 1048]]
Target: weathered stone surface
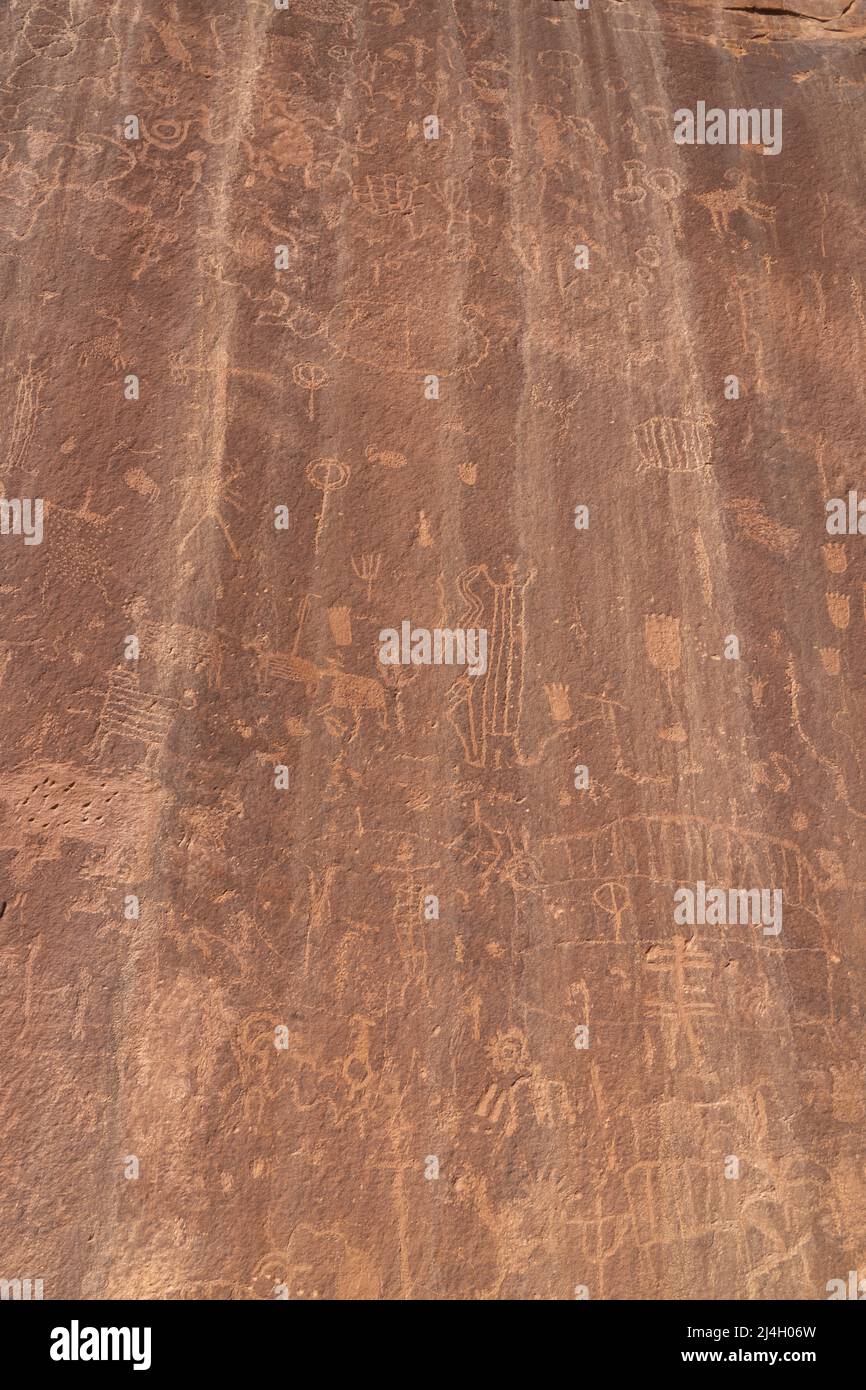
[[286, 1036]]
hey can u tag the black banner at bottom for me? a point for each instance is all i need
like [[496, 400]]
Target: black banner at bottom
[[159, 1339]]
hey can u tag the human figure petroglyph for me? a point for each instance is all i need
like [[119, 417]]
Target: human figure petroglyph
[[502, 1106], [205, 496], [498, 851], [412, 880], [682, 1007], [310, 377], [614, 899], [486, 710], [329, 475]]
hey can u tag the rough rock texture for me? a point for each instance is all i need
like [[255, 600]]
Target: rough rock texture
[[287, 1038]]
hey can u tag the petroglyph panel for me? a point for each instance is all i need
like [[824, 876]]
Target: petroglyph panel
[[332, 323]]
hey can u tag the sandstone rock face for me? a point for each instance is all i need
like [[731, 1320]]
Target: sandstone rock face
[[328, 329]]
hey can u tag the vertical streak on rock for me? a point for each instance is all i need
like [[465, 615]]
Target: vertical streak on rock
[[156, 1037]]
